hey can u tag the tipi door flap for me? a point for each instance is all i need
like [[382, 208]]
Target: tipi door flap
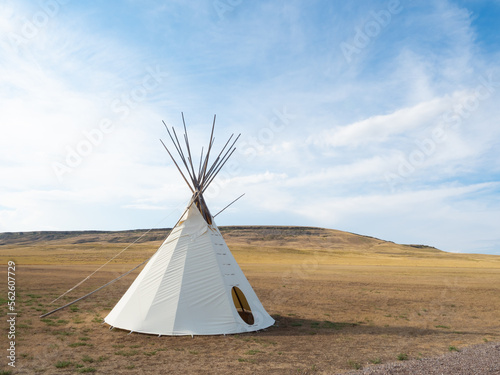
[[242, 306]]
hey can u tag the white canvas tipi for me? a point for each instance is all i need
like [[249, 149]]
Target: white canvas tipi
[[192, 285]]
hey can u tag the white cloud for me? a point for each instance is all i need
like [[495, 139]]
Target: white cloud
[[325, 164], [380, 128]]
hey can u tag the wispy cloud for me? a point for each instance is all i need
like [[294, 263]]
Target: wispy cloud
[[399, 142]]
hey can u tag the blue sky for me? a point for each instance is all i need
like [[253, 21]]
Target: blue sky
[[374, 117]]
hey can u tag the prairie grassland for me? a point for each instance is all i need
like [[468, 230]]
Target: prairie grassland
[[341, 301], [259, 245]]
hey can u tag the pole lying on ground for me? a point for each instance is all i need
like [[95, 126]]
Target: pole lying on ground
[[119, 277], [98, 289]]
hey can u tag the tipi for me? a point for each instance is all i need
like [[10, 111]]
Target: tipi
[[192, 285]]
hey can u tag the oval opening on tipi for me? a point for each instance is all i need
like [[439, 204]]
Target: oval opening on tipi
[[242, 306]]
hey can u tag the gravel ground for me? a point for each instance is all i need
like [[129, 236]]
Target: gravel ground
[[473, 360]]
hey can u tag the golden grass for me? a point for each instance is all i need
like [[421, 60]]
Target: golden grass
[[263, 245], [340, 301], [98, 253]]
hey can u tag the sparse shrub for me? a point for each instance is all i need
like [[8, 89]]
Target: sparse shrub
[[48, 321], [253, 352], [88, 359], [127, 353], [354, 365], [376, 361], [246, 360], [63, 364], [63, 333], [402, 356], [76, 344], [87, 369], [52, 323], [452, 348]]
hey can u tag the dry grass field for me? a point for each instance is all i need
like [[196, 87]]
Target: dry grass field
[[341, 302]]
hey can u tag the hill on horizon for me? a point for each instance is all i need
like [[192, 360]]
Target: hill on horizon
[[276, 235], [249, 244]]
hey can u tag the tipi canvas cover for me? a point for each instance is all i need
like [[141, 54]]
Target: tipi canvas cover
[[192, 285]]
